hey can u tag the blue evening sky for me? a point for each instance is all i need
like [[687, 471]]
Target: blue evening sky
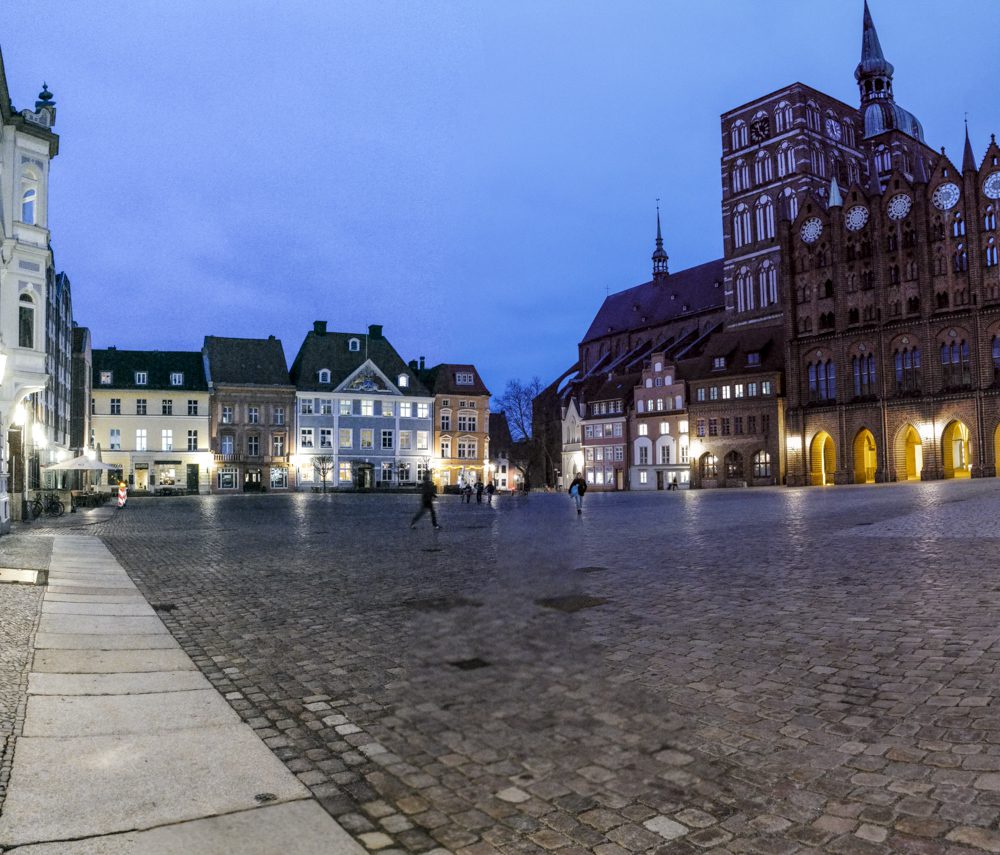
[[474, 176]]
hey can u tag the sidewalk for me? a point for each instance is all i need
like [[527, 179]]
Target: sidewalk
[[127, 748]]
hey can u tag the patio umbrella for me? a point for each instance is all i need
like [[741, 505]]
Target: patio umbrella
[[79, 464]]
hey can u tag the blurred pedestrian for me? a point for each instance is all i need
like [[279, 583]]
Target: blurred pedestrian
[[490, 490], [479, 492], [428, 492], [576, 489]]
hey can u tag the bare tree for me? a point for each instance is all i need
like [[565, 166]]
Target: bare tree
[[516, 403], [323, 464]]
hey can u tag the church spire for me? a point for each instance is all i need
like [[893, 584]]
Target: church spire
[[660, 258], [968, 158], [836, 200]]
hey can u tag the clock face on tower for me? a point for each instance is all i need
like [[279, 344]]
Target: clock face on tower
[[946, 196], [833, 129], [811, 230], [760, 129], [899, 206], [991, 186], [856, 218]]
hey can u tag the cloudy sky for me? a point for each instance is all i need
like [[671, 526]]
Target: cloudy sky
[[474, 176]]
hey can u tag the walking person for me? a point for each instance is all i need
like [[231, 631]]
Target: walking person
[[673, 484], [490, 490], [427, 494], [576, 489], [479, 492], [467, 492]]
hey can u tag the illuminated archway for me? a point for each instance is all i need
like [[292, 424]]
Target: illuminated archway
[[822, 459], [865, 457], [955, 451], [913, 455]]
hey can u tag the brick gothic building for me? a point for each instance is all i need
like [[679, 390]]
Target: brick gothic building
[[892, 289]]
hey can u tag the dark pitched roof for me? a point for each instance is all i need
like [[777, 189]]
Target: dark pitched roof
[[734, 346], [441, 380], [697, 289], [331, 350], [246, 361], [616, 387], [158, 364]]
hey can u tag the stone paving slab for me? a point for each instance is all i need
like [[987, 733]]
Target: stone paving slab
[[110, 661], [118, 683], [120, 783], [293, 828], [137, 608], [100, 624], [122, 714], [95, 641], [122, 597]]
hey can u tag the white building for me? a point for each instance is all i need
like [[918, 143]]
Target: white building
[[31, 439]]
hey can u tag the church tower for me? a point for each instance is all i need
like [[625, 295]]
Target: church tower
[[660, 258]]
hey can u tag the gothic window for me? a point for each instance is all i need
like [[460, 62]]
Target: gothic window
[[762, 171], [738, 134], [869, 313], [741, 225], [863, 368], [937, 229], [996, 359], [912, 305], [826, 321], [26, 322], [911, 270], [791, 202], [940, 265], [828, 288], [941, 298], [709, 465], [822, 381], [762, 465], [783, 117], [821, 256], [907, 361], [853, 316], [990, 219], [849, 136], [853, 173], [812, 115], [744, 291], [866, 247], [850, 252], [957, 226], [741, 176], [852, 283], [895, 308], [786, 160], [909, 236], [991, 253], [867, 280], [891, 242], [955, 364], [883, 159], [893, 274], [764, 210], [960, 260], [767, 284], [817, 161]]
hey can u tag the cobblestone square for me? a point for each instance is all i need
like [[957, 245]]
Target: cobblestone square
[[722, 671]]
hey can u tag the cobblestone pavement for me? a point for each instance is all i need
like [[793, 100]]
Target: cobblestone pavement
[[19, 609], [768, 671]]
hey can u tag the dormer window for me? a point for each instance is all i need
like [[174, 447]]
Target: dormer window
[[753, 358], [106, 378], [403, 381], [463, 378], [718, 362], [324, 373], [353, 345], [177, 378], [141, 378]]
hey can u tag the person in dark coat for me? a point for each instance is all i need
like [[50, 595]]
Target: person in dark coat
[[467, 492], [479, 492], [427, 494], [576, 489], [490, 490]]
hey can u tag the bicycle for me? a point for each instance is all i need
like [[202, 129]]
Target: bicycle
[[50, 504]]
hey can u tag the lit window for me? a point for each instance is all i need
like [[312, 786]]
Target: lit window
[[227, 443], [345, 408], [227, 415], [367, 407], [422, 440], [115, 442], [306, 438], [642, 477], [405, 439], [643, 429], [726, 393], [167, 439], [403, 381], [346, 438], [140, 439], [278, 445], [105, 378], [423, 411], [344, 470], [367, 438], [405, 409], [713, 393]]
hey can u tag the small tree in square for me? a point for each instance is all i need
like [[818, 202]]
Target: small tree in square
[[323, 465]]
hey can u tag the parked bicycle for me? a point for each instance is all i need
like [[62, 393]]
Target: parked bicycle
[[49, 504]]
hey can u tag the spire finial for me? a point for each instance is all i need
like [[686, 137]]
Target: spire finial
[[659, 257], [836, 200], [968, 158]]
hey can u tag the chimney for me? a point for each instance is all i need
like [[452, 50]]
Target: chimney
[[374, 330], [413, 364], [421, 363], [319, 327]]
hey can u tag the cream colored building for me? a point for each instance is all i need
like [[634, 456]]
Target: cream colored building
[[150, 416]]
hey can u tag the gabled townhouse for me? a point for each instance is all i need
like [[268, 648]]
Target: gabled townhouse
[[658, 428], [604, 414], [462, 411], [253, 405], [149, 415], [502, 472], [364, 419], [572, 443]]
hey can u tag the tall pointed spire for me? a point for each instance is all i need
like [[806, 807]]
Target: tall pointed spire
[[873, 61], [968, 158], [659, 254]]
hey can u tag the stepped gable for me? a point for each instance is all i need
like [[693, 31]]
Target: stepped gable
[[246, 361], [687, 292]]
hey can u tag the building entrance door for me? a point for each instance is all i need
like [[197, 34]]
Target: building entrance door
[[192, 477], [659, 479], [364, 476], [253, 481]]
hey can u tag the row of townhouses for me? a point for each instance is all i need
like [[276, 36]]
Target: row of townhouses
[[349, 414], [849, 334]]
